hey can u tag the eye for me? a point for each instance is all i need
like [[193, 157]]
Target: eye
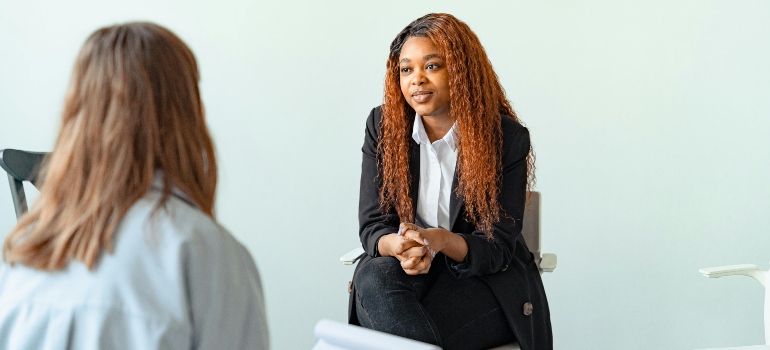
[[405, 70], [431, 66]]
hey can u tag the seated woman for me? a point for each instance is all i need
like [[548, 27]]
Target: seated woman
[[121, 249], [446, 167]]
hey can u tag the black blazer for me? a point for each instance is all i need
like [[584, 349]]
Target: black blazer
[[505, 264]]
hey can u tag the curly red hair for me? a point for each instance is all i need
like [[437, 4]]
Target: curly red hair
[[477, 101]]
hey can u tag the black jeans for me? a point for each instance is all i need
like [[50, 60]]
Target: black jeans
[[435, 308]]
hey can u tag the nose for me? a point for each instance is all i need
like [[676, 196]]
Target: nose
[[418, 78]]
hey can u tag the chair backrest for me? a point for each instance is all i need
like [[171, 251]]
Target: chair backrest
[[21, 166], [531, 228]]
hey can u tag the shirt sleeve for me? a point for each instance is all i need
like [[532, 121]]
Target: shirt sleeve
[[224, 290]]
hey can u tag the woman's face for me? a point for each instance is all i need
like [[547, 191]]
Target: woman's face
[[424, 77]]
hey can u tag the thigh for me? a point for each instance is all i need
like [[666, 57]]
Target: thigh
[[388, 300], [385, 273], [467, 313]]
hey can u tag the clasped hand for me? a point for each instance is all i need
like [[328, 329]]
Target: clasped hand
[[413, 249]]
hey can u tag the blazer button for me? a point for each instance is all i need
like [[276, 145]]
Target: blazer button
[[527, 308], [350, 287], [504, 268]]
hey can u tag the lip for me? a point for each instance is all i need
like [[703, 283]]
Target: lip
[[422, 96]]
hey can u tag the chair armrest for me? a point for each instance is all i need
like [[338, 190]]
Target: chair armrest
[[734, 270], [352, 256], [511, 346], [548, 262], [729, 270]]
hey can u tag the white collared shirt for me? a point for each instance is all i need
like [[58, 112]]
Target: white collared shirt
[[437, 169]]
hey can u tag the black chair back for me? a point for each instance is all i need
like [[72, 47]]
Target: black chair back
[[21, 166]]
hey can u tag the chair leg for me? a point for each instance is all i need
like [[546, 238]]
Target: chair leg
[[18, 196]]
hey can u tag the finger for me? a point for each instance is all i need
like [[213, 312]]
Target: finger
[[407, 264], [416, 271], [414, 252], [427, 259], [423, 266], [417, 266], [411, 272], [406, 244], [417, 251], [410, 263], [416, 236], [413, 261]]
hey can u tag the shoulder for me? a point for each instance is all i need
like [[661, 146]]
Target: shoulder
[[515, 137], [218, 276], [511, 127], [371, 134], [175, 226], [176, 217], [177, 239], [373, 120]]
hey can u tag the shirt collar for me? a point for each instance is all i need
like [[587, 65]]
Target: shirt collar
[[157, 185], [420, 136]]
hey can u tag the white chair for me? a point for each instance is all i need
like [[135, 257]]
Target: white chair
[[340, 336], [530, 231], [763, 277], [751, 347]]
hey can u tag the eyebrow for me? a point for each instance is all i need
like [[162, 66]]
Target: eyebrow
[[424, 58]]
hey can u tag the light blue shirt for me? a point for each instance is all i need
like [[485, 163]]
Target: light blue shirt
[[176, 280]]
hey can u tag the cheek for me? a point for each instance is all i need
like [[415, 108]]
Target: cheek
[[405, 92], [445, 84], [404, 86]]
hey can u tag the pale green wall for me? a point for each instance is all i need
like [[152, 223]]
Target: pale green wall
[[650, 122]]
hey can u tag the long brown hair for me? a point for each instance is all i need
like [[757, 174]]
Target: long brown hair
[[477, 101], [132, 108]]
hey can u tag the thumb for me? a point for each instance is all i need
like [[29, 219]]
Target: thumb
[[405, 226]]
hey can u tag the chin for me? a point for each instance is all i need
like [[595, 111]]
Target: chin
[[422, 111]]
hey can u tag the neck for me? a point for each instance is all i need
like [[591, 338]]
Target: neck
[[437, 126]]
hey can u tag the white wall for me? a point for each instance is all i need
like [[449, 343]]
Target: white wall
[[650, 122]]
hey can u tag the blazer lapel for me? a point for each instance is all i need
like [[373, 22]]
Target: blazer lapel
[[414, 172], [455, 203]]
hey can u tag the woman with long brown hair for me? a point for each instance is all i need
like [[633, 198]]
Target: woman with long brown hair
[[121, 248], [446, 166]]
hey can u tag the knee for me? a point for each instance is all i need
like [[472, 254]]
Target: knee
[[376, 274]]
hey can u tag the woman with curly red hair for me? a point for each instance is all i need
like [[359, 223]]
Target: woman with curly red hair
[[446, 166]]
